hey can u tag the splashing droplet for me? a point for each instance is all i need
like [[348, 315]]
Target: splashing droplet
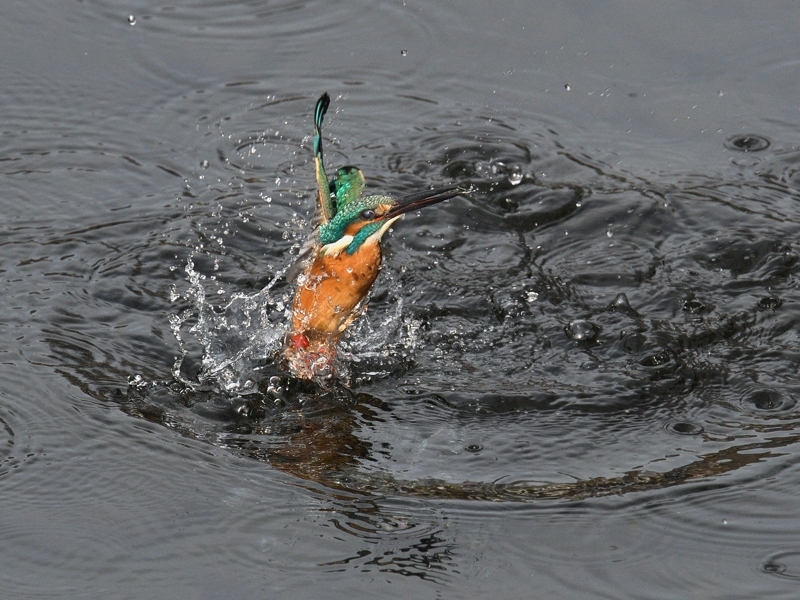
[[621, 305], [582, 330], [694, 307], [766, 400], [131, 20], [403, 52], [684, 428], [204, 164], [784, 564], [748, 142], [567, 87], [515, 176], [656, 360], [774, 568], [769, 303]]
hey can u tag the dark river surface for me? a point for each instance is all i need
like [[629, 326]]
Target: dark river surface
[[577, 380]]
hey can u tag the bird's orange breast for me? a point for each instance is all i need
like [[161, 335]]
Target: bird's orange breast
[[331, 288]]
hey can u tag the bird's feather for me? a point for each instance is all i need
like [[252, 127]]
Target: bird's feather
[[326, 209]]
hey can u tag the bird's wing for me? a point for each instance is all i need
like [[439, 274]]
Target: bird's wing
[[326, 209], [348, 186], [306, 254]]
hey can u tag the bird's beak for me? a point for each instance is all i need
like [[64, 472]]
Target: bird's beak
[[421, 199]]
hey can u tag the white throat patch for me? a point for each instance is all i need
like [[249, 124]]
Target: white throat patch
[[376, 237], [336, 248]]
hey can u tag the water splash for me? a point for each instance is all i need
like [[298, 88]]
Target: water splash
[[240, 338], [377, 347], [237, 338]]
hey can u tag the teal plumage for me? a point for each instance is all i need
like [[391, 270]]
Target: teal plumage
[[340, 200], [351, 213]]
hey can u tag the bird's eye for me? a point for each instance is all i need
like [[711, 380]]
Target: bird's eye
[[368, 214]]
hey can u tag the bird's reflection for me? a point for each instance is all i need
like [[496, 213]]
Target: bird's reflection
[[319, 437], [315, 434]]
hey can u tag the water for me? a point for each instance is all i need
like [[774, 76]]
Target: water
[[580, 378]]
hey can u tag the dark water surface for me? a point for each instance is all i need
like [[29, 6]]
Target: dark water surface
[[580, 380]]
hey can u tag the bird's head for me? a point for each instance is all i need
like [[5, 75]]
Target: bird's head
[[364, 219]]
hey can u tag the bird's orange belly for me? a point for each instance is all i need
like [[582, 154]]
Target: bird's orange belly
[[331, 288]]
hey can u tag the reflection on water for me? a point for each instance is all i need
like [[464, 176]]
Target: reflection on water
[[581, 377], [319, 441]]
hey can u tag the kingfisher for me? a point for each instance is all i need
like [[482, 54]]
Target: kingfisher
[[342, 259]]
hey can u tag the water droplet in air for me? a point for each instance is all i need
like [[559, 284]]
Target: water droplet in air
[[131, 20], [532, 296], [582, 330], [403, 52], [515, 176], [567, 87], [204, 164]]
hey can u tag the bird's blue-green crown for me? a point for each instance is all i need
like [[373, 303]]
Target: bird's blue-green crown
[[353, 211]]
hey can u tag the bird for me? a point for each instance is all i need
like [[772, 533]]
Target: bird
[[342, 258]]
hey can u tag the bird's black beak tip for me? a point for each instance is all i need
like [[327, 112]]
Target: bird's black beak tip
[[424, 198]]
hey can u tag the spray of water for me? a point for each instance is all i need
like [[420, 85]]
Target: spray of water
[[236, 339], [241, 337]]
